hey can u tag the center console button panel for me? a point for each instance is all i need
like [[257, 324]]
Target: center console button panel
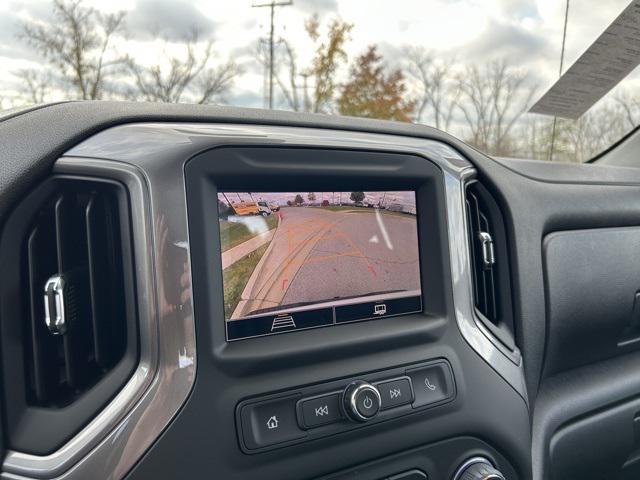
[[336, 406]]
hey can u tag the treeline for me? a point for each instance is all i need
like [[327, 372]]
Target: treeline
[[486, 104]]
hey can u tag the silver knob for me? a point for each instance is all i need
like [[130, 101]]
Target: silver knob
[[478, 468], [361, 401]]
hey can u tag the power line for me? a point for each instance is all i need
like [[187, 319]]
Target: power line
[[272, 5], [564, 39]]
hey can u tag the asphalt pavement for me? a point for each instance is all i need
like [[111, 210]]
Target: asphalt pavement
[[318, 255]]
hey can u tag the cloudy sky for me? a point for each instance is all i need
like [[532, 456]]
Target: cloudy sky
[[525, 32]]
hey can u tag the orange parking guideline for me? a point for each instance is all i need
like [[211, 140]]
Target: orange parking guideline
[[311, 225]]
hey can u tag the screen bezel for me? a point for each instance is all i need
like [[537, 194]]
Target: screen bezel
[[251, 168]]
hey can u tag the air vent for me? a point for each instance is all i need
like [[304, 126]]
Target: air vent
[[74, 244], [67, 308], [489, 262]]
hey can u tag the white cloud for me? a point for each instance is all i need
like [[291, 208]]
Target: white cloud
[[436, 24], [528, 31]]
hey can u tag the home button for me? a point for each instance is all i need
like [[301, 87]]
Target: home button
[[270, 422]]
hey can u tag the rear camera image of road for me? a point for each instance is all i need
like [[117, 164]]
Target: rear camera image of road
[[299, 260]]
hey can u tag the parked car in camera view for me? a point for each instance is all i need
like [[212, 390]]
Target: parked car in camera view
[[251, 208]]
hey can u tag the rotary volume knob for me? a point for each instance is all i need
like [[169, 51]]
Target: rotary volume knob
[[478, 469], [361, 401]]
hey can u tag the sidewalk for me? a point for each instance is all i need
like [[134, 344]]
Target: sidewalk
[[234, 254]]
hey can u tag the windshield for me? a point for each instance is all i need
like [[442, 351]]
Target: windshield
[[472, 68]]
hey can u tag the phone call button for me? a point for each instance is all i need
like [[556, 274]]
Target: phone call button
[[432, 384]]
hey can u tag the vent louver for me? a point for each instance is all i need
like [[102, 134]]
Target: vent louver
[[75, 237], [67, 308], [489, 261], [484, 285]]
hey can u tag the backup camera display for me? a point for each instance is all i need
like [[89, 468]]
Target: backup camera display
[[299, 260]]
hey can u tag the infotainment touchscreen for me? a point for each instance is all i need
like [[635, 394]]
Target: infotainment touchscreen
[[298, 260]]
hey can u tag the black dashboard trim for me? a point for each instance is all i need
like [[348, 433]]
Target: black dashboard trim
[[243, 167], [583, 204], [62, 126]]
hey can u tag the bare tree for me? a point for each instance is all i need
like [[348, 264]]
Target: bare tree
[[534, 133], [35, 84], [289, 87], [214, 82], [437, 92], [492, 100], [185, 77], [594, 131], [630, 106], [575, 140], [78, 44]]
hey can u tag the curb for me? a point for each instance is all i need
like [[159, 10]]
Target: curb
[[254, 275]]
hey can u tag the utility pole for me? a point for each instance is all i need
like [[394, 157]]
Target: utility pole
[[272, 5], [307, 101], [265, 75]]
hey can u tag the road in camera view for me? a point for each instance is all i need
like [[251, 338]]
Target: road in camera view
[[318, 254]]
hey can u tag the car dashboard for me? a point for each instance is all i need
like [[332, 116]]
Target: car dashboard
[[456, 336]]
